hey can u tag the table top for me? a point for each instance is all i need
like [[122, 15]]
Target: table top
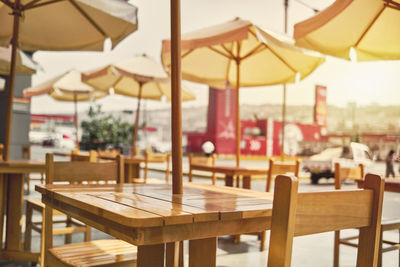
[[151, 205], [391, 185], [231, 170], [22, 166]]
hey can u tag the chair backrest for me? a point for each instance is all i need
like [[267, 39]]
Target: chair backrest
[[84, 171], [297, 214], [160, 157], [1, 151], [202, 160], [108, 153], [76, 156], [26, 152], [347, 173], [281, 167]]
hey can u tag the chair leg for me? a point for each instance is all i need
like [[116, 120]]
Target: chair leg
[[262, 240], [88, 234], [336, 249], [68, 237], [380, 253], [28, 227], [41, 178], [28, 183]]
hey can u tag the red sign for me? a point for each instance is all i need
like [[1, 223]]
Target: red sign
[[320, 109]]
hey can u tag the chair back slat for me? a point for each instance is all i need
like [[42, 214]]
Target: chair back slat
[[83, 171], [91, 157], [347, 173], [319, 212], [284, 167], [296, 214], [202, 160], [26, 152]]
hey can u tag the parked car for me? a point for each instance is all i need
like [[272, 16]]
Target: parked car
[[322, 165]]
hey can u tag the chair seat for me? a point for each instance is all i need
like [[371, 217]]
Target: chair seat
[[109, 252]]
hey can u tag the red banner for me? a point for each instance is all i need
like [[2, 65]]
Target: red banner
[[320, 109]]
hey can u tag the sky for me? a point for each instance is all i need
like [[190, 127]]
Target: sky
[[360, 82]]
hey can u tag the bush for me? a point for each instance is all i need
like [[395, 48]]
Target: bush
[[104, 131]]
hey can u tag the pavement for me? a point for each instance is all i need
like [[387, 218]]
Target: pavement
[[308, 251]]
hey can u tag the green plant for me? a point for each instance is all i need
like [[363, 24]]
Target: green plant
[[103, 130]]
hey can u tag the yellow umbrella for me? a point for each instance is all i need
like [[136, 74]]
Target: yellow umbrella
[[24, 64], [242, 54], [139, 77], [371, 27], [66, 87], [60, 25]]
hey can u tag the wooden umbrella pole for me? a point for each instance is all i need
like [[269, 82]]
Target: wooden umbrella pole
[[237, 113], [76, 120], [135, 128], [283, 123], [176, 98], [286, 4], [237, 59], [11, 79]]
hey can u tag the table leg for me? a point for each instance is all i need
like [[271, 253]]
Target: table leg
[[228, 180], [14, 211], [247, 182], [203, 252], [151, 255], [174, 254]]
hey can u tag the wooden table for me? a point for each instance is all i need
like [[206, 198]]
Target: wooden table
[[12, 187], [150, 217], [391, 185], [231, 171]]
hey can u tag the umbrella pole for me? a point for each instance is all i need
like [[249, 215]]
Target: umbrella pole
[[11, 79], [176, 97], [76, 121], [237, 111], [135, 129], [286, 4], [283, 123]]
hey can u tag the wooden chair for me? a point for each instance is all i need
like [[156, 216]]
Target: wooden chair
[[386, 225], [298, 214], [26, 154], [71, 226], [284, 167], [110, 252], [156, 157], [275, 168], [108, 153], [347, 173], [202, 160]]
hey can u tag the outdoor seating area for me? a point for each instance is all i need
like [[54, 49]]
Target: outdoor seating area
[[114, 185]]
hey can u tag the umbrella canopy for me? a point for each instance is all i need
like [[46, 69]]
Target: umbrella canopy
[[242, 54], [371, 27], [66, 87], [139, 77], [24, 63], [60, 25]]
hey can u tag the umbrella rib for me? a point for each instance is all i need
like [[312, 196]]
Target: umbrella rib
[[393, 4], [370, 25], [230, 52], [256, 50], [8, 3], [32, 5], [88, 18], [278, 56], [218, 52]]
